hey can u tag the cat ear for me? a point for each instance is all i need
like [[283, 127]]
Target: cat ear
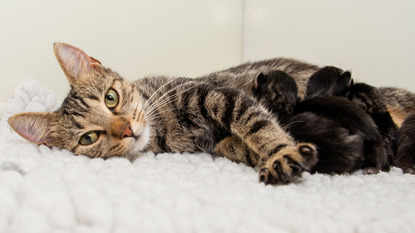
[[74, 62], [33, 126], [260, 81]]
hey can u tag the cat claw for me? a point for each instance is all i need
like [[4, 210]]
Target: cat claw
[[288, 164]]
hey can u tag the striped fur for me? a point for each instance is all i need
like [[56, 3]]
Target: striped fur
[[218, 113], [243, 77], [163, 114]]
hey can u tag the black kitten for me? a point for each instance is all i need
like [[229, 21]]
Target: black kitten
[[368, 98], [346, 136], [278, 92], [405, 146], [328, 81]]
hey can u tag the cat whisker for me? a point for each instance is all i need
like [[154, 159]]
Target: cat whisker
[[150, 105], [140, 108], [285, 127], [158, 91], [162, 101]]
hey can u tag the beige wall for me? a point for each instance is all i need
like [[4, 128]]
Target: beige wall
[[373, 38], [135, 38]]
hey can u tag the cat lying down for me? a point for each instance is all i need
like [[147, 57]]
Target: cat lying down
[[220, 113]]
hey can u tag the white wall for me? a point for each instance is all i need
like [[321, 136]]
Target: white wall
[[373, 38], [135, 38]]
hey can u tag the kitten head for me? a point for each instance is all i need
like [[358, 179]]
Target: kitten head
[[277, 91], [102, 116], [329, 81]]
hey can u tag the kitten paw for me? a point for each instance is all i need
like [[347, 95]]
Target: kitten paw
[[370, 171], [410, 170], [288, 163]]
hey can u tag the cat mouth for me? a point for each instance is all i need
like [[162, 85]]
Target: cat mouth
[[141, 140]]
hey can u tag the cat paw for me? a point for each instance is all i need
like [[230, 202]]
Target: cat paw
[[410, 170], [370, 171], [288, 164]]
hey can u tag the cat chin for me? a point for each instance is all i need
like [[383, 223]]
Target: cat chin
[[141, 141]]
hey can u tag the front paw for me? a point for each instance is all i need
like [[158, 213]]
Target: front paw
[[288, 164]]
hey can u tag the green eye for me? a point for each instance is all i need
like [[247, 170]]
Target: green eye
[[89, 138], [111, 98]]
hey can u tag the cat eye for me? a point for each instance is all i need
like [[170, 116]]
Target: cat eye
[[89, 138], [111, 98]]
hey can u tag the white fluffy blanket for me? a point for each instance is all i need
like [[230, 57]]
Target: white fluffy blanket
[[51, 190]]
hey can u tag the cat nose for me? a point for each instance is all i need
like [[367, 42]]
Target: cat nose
[[128, 132], [121, 129]]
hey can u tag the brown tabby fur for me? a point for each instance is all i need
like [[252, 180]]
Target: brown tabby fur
[[163, 114], [243, 77], [399, 102]]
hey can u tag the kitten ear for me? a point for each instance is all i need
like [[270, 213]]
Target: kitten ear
[[74, 62], [260, 81], [33, 126]]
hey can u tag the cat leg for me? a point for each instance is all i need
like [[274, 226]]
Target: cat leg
[[288, 163], [235, 150], [257, 128], [283, 167]]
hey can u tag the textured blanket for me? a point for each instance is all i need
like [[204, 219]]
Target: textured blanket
[[51, 190]]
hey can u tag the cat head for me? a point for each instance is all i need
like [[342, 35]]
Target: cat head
[[102, 115], [329, 81], [277, 91]]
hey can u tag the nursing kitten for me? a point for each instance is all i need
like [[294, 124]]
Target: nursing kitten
[[347, 138], [369, 99], [104, 115], [328, 81], [278, 92]]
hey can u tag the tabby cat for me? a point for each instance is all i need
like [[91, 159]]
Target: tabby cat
[[104, 115]]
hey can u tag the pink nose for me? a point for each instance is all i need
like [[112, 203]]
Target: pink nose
[[121, 128], [127, 131]]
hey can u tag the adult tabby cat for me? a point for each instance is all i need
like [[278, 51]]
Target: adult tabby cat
[[104, 115]]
